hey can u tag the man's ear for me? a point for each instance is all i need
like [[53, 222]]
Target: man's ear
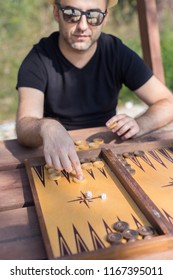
[[56, 13]]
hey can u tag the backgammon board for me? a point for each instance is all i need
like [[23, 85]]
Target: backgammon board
[[75, 226], [154, 173]]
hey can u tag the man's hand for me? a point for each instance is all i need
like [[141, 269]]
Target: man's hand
[[124, 126], [59, 149], [33, 130]]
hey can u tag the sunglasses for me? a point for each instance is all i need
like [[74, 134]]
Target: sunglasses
[[73, 15]]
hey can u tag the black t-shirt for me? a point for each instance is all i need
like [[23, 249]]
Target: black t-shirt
[[87, 97]]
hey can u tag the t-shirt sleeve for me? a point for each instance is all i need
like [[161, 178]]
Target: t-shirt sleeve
[[32, 72], [134, 72]]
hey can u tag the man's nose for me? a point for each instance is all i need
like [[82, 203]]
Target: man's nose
[[83, 24]]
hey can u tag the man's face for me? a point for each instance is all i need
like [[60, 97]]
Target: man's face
[[79, 36]]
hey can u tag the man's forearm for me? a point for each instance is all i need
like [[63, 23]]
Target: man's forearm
[[28, 131], [58, 147], [155, 117]]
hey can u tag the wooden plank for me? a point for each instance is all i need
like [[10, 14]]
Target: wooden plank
[[110, 138], [20, 236], [158, 248], [12, 154], [22, 249], [150, 38], [150, 210], [38, 208], [15, 191]]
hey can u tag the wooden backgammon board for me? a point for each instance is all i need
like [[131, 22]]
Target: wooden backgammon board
[[130, 204]]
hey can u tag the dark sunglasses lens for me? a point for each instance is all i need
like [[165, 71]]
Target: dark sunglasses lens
[[71, 15], [95, 18]]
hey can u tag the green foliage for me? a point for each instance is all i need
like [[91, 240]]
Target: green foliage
[[125, 16], [124, 11], [167, 51], [21, 25]]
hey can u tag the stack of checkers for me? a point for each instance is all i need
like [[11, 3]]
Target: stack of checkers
[[90, 163], [122, 233], [123, 159], [111, 126], [84, 145], [53, 174], [86, 164]]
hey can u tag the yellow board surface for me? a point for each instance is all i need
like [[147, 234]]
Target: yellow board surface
[[154, 173], [76, 224]]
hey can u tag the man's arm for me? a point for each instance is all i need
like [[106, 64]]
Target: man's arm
[[33, 131], [160, 101], [29, 117], [159, 113]]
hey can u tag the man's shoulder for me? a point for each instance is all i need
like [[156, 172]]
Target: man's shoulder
[[109, 39], [110, 44], [47, 42], [42, 52]]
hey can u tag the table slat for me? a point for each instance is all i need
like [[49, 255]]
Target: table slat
[[15, 191], [20, 236]]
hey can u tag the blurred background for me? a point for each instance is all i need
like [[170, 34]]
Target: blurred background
[[24, 22]]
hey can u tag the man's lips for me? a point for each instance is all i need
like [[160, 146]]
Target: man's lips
[[81, 37]]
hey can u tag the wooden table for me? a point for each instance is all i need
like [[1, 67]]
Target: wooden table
[[20, 235]]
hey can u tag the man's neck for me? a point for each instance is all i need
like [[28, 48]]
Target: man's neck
[[78, 58]]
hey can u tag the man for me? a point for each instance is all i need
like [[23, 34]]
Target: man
[[71, 80]]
